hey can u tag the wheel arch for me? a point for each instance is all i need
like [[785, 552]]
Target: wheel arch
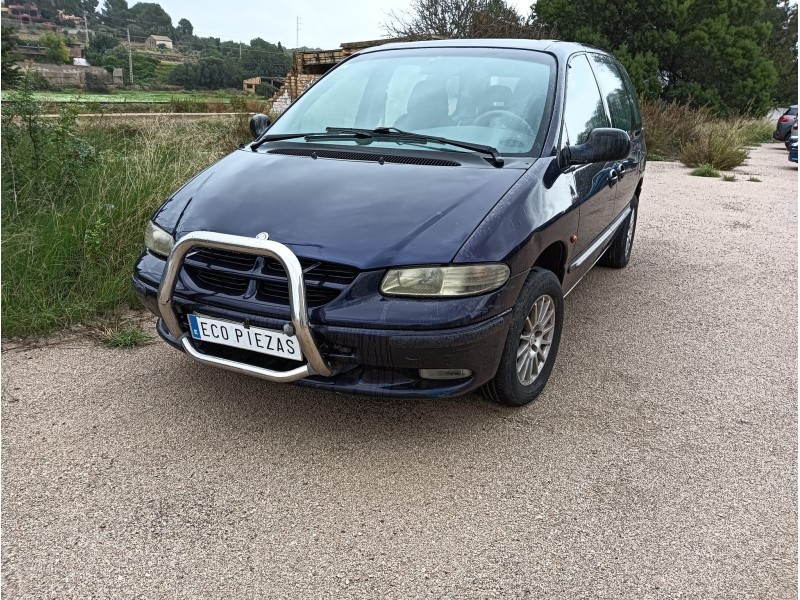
[[553, 258], [637, 194]]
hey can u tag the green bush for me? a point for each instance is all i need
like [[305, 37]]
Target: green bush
[[75, 203], [669, 126], [704, 171], [238, 103], [96, 84], [696, 136], [716, 145], [188, 104], [55, 48], [755, 131], [266, 90], [162, 72], [36, 82]]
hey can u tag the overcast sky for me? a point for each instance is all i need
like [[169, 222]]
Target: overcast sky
[[323, 23]]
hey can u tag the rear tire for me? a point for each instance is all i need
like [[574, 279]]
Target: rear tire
[[619, 252], [532, 343]]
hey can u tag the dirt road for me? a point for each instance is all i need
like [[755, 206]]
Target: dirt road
[[659, 463]]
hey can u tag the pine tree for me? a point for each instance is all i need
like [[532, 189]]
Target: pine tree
[[709, 52]]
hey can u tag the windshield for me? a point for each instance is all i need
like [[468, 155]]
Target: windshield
[[495, 97]]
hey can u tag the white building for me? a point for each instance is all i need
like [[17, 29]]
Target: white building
[[154, 41]]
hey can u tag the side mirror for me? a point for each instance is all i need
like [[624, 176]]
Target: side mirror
[[259, 124], [603, 145]]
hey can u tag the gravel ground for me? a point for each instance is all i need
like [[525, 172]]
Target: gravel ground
[[659, 463]]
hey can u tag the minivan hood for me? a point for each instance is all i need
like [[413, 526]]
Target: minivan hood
[[360, 213]]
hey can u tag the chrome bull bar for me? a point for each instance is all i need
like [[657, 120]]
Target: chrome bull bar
[[316, 364]]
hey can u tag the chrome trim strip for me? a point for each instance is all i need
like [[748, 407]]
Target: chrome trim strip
[[615, 225], [600, 241], [297, 303]]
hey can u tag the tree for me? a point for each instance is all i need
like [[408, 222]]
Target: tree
[[208, 73], [90, 8], [781, 48], [460, 19], [98, 46], [184, 30], [8, 58], [263, 58], [115, 13], [151, 19], [709, 52], [439, 18], [55, 48], [266, 90]]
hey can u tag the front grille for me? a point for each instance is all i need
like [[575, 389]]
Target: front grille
[[226, 272], [219, 281], [367, 156], [224, 258], [315, 270], [278, 293]]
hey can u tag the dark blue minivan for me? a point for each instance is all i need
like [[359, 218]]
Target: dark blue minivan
[[410, 225]]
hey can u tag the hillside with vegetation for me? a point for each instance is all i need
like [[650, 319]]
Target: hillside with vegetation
[[55, 32]]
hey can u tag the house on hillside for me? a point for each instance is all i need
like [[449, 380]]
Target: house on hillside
[[25, 14], [249, 85], [154, 41]]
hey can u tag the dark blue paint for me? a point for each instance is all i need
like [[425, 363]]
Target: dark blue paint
[[358, 213]]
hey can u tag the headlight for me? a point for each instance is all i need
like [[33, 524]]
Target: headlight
[[157, 240], [458, 280]]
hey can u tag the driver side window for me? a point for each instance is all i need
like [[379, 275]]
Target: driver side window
[[583, 107]]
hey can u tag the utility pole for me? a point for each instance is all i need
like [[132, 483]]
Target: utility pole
[[297, 40], [240, 50], [86, 27], [130, 56]]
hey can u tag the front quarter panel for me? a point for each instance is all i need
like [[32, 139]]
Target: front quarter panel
[[540, 202], [169, 214]]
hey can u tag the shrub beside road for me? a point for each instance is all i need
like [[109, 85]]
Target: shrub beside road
[[75, 202]]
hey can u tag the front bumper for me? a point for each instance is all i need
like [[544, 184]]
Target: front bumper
[[381, 362]]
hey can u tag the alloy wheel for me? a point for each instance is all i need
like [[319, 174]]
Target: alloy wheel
[[536, 339]]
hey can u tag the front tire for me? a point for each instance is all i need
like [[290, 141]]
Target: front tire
[[532, 343]]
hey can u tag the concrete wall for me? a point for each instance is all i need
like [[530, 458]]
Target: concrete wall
[[69, 75]]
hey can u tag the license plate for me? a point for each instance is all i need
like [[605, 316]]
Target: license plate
[[236, 335]]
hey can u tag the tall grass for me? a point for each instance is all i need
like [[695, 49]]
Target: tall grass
[[75, 203], [670, 125], [696, 137]]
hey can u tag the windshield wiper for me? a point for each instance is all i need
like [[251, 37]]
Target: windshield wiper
[[276, 138], [330, 134], [347, 133], [399, 134]]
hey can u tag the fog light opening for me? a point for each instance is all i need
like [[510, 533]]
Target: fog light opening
[[445, 373]]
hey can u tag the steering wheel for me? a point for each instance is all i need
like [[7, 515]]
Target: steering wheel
[[519, 123]]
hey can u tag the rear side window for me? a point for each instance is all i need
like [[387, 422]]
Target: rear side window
[[635, 112], [613, 88], [583, 109]]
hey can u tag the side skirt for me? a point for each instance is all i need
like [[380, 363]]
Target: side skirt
[[595, 251]]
